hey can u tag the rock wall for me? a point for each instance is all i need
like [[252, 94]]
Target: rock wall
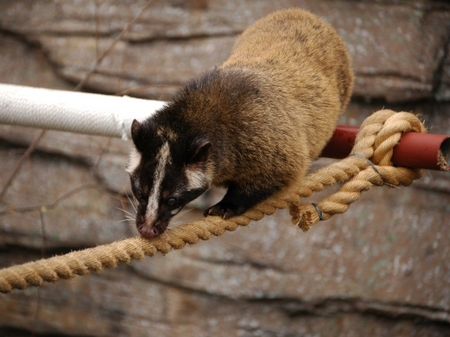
[[380, 269]]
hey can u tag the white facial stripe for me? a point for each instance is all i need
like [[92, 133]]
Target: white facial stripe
[[135, 159], [163, 158], [196, 179]]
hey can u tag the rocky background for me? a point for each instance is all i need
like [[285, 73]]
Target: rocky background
[[381, 269]]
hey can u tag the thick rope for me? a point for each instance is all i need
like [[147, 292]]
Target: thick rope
[[374, 144], [369, 164]]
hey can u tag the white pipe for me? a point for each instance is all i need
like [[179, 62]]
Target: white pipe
[[78, 112]]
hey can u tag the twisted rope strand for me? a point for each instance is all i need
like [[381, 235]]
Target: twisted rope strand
[[378, 135]]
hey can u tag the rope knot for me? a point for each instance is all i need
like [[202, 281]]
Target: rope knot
[[382, 131], [368, 164]]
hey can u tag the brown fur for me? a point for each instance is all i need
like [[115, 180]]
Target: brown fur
[[254, 124], [305, 57], [301, 68]]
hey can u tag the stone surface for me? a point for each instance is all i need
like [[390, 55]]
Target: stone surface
[[380, 269], [22, 63], [398, 50], [137, 308], [62, 195]]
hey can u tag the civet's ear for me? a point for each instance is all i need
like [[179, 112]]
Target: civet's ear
[[141, 133], [135, 131], [199, 151]]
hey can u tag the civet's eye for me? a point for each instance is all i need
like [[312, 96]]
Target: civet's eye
[[171, 202]]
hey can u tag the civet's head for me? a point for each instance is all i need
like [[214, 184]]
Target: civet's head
[[167, 171]]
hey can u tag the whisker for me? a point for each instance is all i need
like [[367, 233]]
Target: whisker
[[132, 202], [128, 216], [125, 211], [123, 220]]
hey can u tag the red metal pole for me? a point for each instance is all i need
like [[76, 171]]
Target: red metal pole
[[415, 150]]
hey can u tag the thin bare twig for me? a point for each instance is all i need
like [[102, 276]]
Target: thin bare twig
[[24, 157], [111, 46], [52, 205], [38, 294]]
